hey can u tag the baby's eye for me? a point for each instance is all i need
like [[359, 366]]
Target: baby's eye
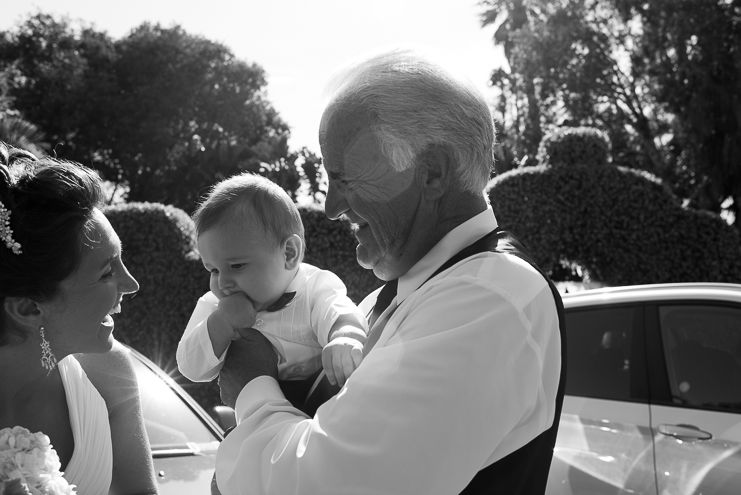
[[214, 271], [237, 266]]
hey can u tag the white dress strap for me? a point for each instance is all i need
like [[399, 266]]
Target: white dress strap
[[91, 466]]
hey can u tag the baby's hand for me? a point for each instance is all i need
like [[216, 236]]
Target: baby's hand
[[235, 312], [340, 358]]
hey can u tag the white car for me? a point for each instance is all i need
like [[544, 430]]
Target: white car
[[182, 436], [653, 392]]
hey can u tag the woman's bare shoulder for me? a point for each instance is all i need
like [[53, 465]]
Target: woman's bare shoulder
[[112, 374]]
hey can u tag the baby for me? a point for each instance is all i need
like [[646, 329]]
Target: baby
[[251, 239]]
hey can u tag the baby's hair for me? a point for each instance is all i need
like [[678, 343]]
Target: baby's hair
[[254, 199]]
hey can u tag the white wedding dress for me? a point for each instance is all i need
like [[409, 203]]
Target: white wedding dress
[[91, 465]]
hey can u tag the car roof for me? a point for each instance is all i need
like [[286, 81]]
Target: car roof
[[654, 292]]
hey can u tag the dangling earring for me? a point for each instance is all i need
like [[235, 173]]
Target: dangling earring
[[48, 360]]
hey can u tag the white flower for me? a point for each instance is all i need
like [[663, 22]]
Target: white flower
[[29, 464]]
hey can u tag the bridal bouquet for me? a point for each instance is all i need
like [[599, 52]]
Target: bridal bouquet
[[29, 466]]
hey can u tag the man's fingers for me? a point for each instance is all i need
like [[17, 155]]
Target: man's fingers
[[246, 333]]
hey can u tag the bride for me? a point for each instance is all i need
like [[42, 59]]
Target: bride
[[61, 370]]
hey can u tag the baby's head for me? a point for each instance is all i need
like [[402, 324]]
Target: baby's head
[[250, 237]]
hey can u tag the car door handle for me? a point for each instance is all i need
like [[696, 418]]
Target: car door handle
[[687, 433]]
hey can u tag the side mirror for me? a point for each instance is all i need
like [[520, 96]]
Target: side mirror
[[225, 417]]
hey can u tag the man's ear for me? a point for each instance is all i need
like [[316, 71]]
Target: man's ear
[[23, 311], [436, 165], [293, 250]]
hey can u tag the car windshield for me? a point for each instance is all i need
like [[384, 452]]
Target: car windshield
[[172, 426]]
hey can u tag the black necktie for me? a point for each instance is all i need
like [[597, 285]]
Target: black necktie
[[387, 294], [282, 302]]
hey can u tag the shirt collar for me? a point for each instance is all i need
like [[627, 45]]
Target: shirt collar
[[460, 237], [299, 280]]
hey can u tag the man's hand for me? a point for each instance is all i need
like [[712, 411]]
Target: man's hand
[[247, 358], [340, 358]]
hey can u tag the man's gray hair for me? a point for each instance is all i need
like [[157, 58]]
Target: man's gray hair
[[414, 103]]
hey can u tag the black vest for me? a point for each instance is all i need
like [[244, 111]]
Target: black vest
[[525, 471]]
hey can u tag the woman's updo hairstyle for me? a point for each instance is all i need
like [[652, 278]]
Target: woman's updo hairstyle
[[51, 203]]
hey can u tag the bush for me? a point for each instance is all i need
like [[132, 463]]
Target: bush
[[331, 245], [621, 226], [571, 146], [160, 251]]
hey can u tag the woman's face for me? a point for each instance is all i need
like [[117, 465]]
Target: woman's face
[[79, 318]]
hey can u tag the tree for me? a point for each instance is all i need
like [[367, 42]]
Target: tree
[[691, 51], [567, 67], [14, 129], [188, 113], [57, 70], [160, 111], [661, 78]]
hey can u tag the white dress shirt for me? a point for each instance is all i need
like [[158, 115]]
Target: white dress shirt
[[464, 373], [298, 332]]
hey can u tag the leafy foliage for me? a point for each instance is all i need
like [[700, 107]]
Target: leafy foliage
[[660, 78], [568, 146], [620, 226], [160, 111]]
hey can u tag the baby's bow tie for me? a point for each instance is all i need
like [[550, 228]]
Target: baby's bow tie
[[282, 302]]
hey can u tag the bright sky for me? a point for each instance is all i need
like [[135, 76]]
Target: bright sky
[[299, 43]]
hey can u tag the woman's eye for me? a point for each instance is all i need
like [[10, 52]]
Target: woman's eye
[[109, 274]]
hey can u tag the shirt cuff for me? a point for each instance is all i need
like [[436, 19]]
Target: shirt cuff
[[256, 393], [204, 341]]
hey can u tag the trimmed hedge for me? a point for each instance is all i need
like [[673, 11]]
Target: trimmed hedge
[[331, 245], [571, 146], [621, 226], [160, 250]]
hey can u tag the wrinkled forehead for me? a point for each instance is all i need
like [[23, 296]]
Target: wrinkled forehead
[[342, 127]]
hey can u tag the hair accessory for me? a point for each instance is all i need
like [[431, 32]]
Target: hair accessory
[[6, 233], [48, 360]]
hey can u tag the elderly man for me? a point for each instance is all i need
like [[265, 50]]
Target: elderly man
[[461, 383]]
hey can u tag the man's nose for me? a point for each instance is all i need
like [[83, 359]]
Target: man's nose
[[335, 203]]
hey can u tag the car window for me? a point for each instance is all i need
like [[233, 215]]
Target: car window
[[702, 345], [598, 342], [170, 422]]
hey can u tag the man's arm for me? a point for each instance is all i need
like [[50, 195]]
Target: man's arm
[[422, 414]]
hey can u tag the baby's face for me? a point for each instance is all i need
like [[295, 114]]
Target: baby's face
[[241, 260]]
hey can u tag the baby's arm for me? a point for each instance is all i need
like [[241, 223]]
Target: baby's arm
[[208, 334], [340, 326], [196, 359], [344, 352]]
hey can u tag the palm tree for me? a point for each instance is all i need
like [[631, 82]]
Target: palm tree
[[20, 133]]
